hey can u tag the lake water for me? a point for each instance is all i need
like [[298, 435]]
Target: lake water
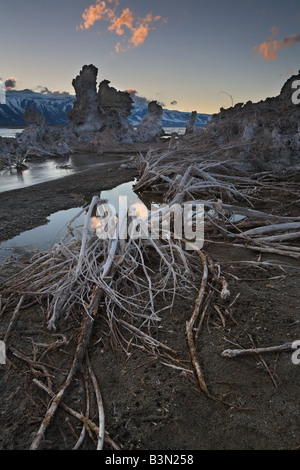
[[45, 236], [42, 170], [6, 132]]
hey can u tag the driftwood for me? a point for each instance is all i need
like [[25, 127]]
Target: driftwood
[[243, 352], [78, 358], [87, 423], [191, 324], [81, 270], [193, 174], [101, 432]]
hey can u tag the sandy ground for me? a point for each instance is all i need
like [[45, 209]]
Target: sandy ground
[[149, 406]]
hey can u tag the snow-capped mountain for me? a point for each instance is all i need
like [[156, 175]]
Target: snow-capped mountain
[[54, 107], [170, 118]]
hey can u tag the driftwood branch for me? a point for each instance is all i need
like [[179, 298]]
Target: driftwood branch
[[100, 406], [88, 424], [243, 352], [83, 342]]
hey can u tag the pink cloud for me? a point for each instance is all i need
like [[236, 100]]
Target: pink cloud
[[134, 31], [268, 50]]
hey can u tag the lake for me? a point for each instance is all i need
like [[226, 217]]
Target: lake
[[10, 132], [45, 236], [7, 132], [42, 170]]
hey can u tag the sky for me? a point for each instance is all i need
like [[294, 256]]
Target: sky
[[190, 55]]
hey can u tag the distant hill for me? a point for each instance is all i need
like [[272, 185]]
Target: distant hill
[[170, 118], [54, 107]]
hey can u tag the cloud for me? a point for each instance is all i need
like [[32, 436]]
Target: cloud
[[97, 12], [126, 19], [289, 72], [45, 91], [134, 30], [268, 50], [131, 91], [10, 83], [138, 100]]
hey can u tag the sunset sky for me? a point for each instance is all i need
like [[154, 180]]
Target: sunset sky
[[194, 54]]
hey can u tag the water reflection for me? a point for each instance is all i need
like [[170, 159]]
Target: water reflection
[[45, 236], [41, 170], [20, 175], [41, 238]]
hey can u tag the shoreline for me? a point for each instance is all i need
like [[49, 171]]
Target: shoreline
[[27, 208], [13, 127]]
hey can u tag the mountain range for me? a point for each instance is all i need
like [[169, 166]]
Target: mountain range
[[54, 107]]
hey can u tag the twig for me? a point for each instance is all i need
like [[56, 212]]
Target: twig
[[90, 426], [190, 327], [243, 352], [264, 363], [85, 335], [87, 413], [13, 319], [53, 346], [100, 405], [85, 231], [32, 363]]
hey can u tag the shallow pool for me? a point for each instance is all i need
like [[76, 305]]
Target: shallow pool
[[45, 236], [40, 171]]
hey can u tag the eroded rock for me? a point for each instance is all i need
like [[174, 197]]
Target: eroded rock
[[33, 118], [111, 99], [191, 123], [86, 114], [150, 127], [97, 120], [39, 139], [263, 135]]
